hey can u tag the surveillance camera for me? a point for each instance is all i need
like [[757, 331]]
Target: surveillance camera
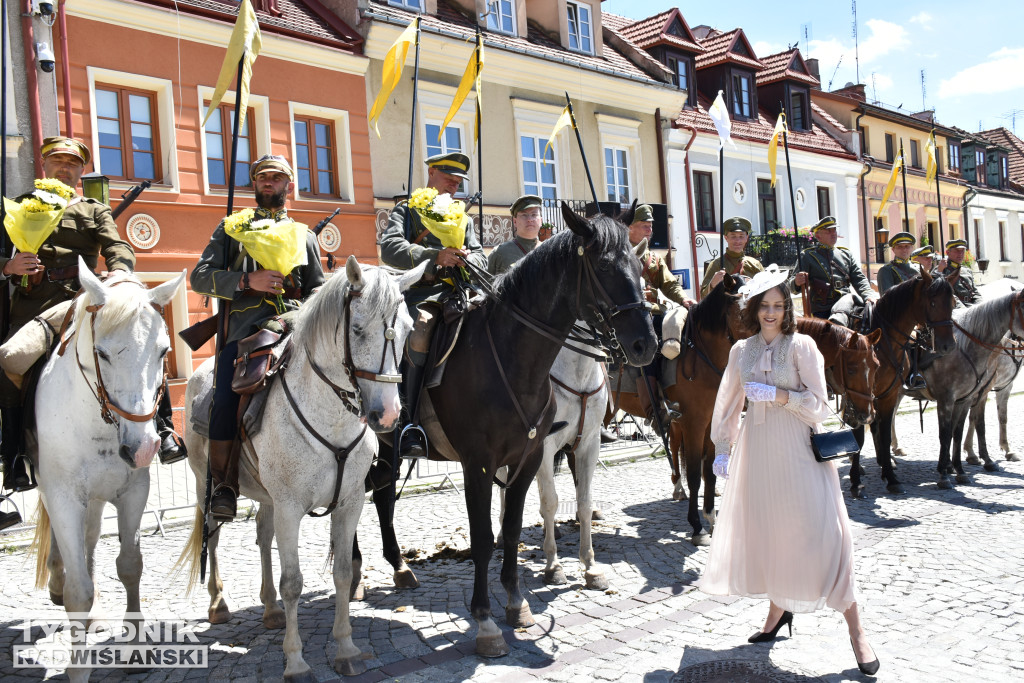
[[44, 55], [43, 8]]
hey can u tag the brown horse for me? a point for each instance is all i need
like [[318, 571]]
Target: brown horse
[[850, 365]]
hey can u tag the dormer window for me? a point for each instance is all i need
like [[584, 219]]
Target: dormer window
[[742, 100], [581, 37], [414, 5], [799, 116], [501, 16], [954, 156]]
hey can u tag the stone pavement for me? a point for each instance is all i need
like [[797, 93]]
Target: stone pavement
[[939, 576]]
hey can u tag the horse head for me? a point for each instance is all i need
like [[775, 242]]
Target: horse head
[[610, 293], [934, 307], [121, 343], [734, 319], [856, 368]]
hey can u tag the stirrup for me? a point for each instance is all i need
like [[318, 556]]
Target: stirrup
[[170, 456], [26, 484], [222, 515], [412, 449], [915, 382]]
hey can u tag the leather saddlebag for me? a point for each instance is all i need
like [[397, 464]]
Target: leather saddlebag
[[255, 355]]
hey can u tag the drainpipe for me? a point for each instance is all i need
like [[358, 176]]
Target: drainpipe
[[62, 19], [968, 196], [864, 196], [693, 213], [32, 83], [661, 176]]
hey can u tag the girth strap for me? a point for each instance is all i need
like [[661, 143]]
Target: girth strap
[[584, 397]]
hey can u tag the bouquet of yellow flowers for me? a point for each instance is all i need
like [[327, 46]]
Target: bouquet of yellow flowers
[[443, 216], [33, 219], [276, 245]]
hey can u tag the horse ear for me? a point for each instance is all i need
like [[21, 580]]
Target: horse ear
[[410, 277], [730, 283], [640, 248], [578, 225], [875, 336], [161, 295], [355, 273], [927, 277], [626, 217], [91, 284]]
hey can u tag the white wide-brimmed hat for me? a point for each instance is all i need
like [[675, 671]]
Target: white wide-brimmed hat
[[767, 279]]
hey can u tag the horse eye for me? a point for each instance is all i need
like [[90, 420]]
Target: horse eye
[[103, 355], [357, 330]]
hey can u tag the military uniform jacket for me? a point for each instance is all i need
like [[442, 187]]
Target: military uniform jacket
[[86, 229], [734, 265], [895, 272], [658, 278], [963, 286], [249, 309], [836, 266], [506, 254]]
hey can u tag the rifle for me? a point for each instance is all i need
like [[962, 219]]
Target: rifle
[[319, 227], [128, 197]]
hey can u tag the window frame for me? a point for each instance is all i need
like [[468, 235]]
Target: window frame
[[258, 119], [736, 78], [915, 154], [341, 130], [464, 186], [828, 200], [673, 61], [763, 198], [410, 5], [953, 156], [980, 166], [314, 171], [124, 130], [226, 133], [577, 5], [1003, 257], [541, 151], [699, 198], [615, 169], [890, 148], [804, 123], [513, 19]]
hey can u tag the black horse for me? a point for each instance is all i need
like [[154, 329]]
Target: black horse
[[495, 405]]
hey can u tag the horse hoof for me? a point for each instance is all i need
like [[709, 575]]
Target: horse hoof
[[679, 495], [220, 614], [273, 620], [596, 581], [973, 460], [357, 592], [404, 578], [57, 599], [898, 452], [945, 483], [519, 618], [991, 467], [1013, 457], [492, 646], [304, 677], [350, 666], [596, 515], [857, 492], [701, 540], [963, 479], [555, 577], [896, 488]]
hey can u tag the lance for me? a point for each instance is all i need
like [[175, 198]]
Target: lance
[[579, 141], [805, 296], [5, 241], [479, 134], [721, 202], [412, 132], [938, 197], [903, 172]]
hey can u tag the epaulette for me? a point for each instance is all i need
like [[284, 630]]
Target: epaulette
[[843, 248]]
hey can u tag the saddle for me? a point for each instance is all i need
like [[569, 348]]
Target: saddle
[[445, 329]]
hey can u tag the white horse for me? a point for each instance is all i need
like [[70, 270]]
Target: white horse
[[96, 438], [341, 378]]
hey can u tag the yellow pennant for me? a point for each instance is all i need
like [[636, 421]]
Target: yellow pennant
[[897, 166], [470, 79], [773, 144], [933, 166], [564, 120], [393, 63], [245, 41]]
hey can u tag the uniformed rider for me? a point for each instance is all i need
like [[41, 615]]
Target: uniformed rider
[[737, 234], [253, 293], [962, 276], [831, 272], [924, 257], [408, 242], [527, 218], [900, 268]]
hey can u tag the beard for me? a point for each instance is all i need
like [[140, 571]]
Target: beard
[[271, 200]]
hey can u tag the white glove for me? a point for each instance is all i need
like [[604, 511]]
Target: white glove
[[721, 466], [756, 391]]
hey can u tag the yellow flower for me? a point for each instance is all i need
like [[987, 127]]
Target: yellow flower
[[33, 205], [455, 211], [56, 187], [239, 220], [422, 198]]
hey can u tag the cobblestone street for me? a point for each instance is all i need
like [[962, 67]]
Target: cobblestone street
[[940, 577]]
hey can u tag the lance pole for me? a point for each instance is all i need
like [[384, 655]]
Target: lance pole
[[5, 242], [412, 124], [903, 172], [721, 203], [938, 198], [579, 141], [479, 135], [792, 191]]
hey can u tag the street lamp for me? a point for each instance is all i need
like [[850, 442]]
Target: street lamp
[[96, 186], [881, 242]]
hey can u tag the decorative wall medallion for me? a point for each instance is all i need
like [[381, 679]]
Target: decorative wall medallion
[[330, 238], [143, 231], [801, 198], [739, 192]]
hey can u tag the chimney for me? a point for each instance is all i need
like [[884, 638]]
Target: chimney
[[854, 90], [812, 66]]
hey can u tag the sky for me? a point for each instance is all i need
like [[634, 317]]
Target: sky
[[972, 54]]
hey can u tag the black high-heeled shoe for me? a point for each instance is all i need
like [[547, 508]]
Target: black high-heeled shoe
[[867, 668], [765, 636]]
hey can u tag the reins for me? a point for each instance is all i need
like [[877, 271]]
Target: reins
[[1016, 311]]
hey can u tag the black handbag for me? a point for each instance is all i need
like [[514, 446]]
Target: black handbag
[[831, 445]]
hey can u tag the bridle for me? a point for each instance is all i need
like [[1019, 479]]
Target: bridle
[[841, 367], [98, 388], [1016, 311]]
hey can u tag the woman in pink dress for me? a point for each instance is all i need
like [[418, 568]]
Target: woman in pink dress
[[783, 532]]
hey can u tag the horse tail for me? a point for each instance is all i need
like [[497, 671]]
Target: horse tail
[[190, 553], [559, 461], [41, 545]]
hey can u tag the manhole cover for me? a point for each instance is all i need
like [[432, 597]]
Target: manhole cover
[[739, 671]]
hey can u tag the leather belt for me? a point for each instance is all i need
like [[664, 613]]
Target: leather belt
[[60, 274]]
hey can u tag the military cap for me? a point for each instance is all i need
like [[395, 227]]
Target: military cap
[[60, 144], [643, 214], [527, 201], [824, 223], [923, 251], [453, 163], [736, 224], [902, 238], [268, 163], [953, 244]]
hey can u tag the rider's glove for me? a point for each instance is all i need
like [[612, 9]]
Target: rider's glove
[[756, 391], [721, 466]]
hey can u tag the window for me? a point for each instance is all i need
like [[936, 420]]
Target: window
[[127, 131], [501, 17], [315, 157], [741, 104], [915, 155], [890, 148], [616, 165], [767, 205], [979, 166], [539, 175], [680, 67], [415, 5], [704, 190], [451, 141], [954, 156], [824, 202], [218, 134], [798, 111], [580, 36], [1022, 241], [1004, 171], [1002, 241]]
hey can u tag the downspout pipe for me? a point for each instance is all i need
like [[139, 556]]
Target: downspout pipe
[[32, 83], [62, 19], [661, 176], [697, 275], [863, 195]]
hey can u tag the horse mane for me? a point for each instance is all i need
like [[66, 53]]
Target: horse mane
[[985, 319], [901, 296], [556, 253], [321, 315], [711, 313], [122, 306], [816, 327]]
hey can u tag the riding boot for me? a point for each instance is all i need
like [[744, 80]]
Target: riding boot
[[608, 436], [172, 448], [224, 467], [16, 468], [413, 442], [915, 380]]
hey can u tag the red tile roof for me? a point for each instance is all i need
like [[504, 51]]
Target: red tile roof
[[654, 31], [1004, 138], [777, 68], [537, 42], [718, 48], [814, 140]]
